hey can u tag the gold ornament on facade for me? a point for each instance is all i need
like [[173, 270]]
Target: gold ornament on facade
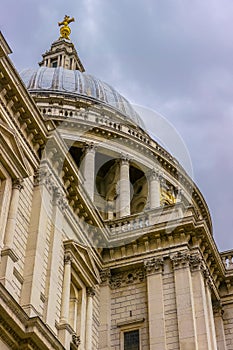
[[65, 29], [167, 197]]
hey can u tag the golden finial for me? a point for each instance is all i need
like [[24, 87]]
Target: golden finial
[[65, 29]]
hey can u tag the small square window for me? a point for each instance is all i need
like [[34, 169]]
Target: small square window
[[131, 340]]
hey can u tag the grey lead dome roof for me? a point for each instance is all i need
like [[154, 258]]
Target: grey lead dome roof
[[73, 82]]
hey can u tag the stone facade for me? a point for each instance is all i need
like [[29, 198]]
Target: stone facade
[[102, 233]]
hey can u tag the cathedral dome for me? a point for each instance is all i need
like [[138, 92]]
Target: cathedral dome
[[77, 83]]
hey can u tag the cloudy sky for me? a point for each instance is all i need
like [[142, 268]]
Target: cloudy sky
[[172, 56]]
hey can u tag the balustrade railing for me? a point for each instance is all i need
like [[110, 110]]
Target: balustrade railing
[[227, 258]]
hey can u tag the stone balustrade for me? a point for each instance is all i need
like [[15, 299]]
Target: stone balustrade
[[227, 258], [138, 222]]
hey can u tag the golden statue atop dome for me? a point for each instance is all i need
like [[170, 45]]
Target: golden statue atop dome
[[65, 29]]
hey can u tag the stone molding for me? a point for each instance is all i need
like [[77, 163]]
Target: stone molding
[[180, 260], [68, 258], [153, 266], [218, 308], [105, 277], [59, 199], [9, 252], [90, 291], [154, 174], [17, 184], [125, 158], [208, 279], [76, 340], [127, 277], [90, 147], [195, 262], [43, 177]]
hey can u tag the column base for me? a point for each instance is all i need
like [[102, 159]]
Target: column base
[[65, 332]]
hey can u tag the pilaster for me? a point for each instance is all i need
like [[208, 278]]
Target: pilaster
[[105, 310], [184, 301], [201, 311], [89, 318], [36, 244], [52, 278], [208, 288], [219, 326], [157, 334]]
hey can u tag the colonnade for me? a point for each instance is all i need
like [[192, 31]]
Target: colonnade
[[123, 202]]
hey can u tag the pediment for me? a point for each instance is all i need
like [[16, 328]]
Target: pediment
[[11, 144], [83, 262], [86, 257]]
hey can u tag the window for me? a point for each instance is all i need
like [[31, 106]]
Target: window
[[131, 340]]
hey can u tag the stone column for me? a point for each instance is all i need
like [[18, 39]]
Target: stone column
[[105, 310], [156, 317], [64, 329], [89, 170], [124, 192], [13, 211], [184, 301], [8, 256], [89, 318], [199, 296], [154, 189], [66, 289], [219, 327], [82, 318]]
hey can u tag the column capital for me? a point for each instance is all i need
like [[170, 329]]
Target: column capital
[[68, 258], [91, 147], [208, 279], [217, 308], [17, 184], [154, 174], [195, 262], [105, 276], [153, 266], [59, 199], [124, 158], [76, 340], [90, 291], [180, 260], [43, 177]]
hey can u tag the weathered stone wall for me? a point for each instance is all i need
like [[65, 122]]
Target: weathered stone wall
[[128, 304]]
